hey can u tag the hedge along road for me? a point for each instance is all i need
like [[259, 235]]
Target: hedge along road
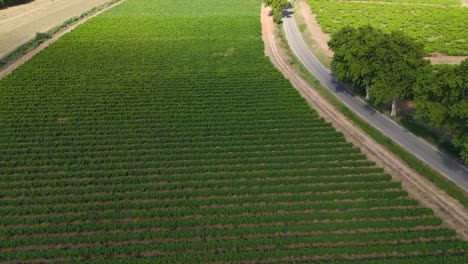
[[427, 153]]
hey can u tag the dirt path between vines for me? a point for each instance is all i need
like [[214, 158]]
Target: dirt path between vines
[[315, 34], [453, 213], [46, 43]]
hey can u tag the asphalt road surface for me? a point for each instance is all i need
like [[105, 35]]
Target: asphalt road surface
[[427, 153]]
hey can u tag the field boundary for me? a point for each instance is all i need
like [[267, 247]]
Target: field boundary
[[420, 188], [26, 51]]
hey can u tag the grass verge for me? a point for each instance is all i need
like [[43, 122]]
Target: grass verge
[[41, 37], [451, 188]]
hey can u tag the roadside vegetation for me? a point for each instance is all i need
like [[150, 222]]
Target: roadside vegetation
[[441, 97], [276, 7], [384, 65], [388, 67], [143, 137]]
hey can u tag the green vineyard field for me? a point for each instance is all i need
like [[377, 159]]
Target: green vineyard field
[[440, 25], [158, 132], [427, 2]]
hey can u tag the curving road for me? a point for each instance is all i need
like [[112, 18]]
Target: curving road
[[427, 153]]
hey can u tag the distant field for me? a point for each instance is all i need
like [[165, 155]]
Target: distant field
[[441, 28], [160, 133]]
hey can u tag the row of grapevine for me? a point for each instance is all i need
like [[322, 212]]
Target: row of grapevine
[[440, 27], [158, 132]]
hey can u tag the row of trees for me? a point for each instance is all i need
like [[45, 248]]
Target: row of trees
[[277, 6], [441, 97], [391, 66]]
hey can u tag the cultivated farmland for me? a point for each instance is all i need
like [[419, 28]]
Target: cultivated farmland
[[159, 132], [440, 25]]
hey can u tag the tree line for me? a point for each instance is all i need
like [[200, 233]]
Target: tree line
[[387, 67]]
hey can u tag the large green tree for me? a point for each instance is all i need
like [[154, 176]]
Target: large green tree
[[386, 65], [277, 6], [400, 60], [441, 98], [354, 55]]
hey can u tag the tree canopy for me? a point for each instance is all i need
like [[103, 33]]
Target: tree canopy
[[385, 65], [441, 98], [277, 6]]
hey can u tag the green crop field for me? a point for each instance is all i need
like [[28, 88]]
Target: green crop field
[[159, 132], [428, 2], [441, 27]]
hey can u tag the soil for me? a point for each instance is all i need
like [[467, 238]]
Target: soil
[[453, 214], [315, 34], [19, 24], [440, 58], [313, 28], [44, 45]]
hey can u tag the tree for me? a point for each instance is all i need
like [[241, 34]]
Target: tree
[[441, 98], [386, 65], [277, 6], [400, 60], [354, 58]]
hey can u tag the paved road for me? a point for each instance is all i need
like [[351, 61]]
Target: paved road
[[438, 160]]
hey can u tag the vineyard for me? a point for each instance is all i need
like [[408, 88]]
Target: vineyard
[[440, 25], [159, 132]]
